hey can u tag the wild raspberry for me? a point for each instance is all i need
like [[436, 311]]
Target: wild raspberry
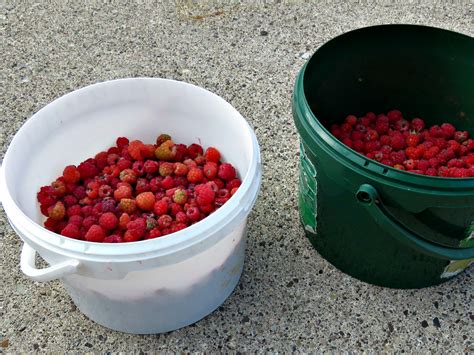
[[455, 163], [89, 221], [168, 183], [469, 144], [181, 217], [145, 201], [101, 160], [122, 142], [422, 165], [176, 227], [139, 168], [87, 170], [108, 221], [397, 141], [195, 175], [410, 164], [371, 135], [166, 151], [123, 164], [71, 174], [148, 151], [399, 167], [193, 214], [448, 130], [180, 196], [205, 196], [233, 191], [213, 155], [105, 191], [74, 210], [112, 159], [206, 209], [129, 176], [114, 238], [166, 169], [123, 220], [131, 236], [417, 124], [350, 120], [194, 150], [138, 225], [461, 136], [394, 116], [402, 125], [127, 205], [436, 131], [175, 208], [58, 188], [57, 211], [382, 125], [122, 192], [155, 184], [134, 149], [164, 221], [76, 219], [151, 166], [443, 171], [161, 207], [431, 172], [365, 121], [95, 234], [412, 140], [434, 162], [154, 233], [371, 116], [462, 151], [200, 160], [71, 231], [336, 132], [162, 138], [361, 128], [226, 172], [233, 183], [398, 157], [358, 146], [431, 152], [355, 135]]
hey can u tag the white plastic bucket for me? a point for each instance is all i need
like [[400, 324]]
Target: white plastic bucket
[[150, 286]]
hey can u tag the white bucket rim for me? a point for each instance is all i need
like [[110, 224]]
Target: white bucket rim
[[242, 200]]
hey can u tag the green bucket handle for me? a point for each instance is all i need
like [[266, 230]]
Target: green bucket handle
[[368, 197]]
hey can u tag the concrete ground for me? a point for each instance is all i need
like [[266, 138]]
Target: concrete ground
[[289, 298]]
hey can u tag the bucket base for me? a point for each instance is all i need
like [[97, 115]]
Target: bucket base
[[391, 277]]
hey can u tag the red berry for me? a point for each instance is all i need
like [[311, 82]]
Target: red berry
[[436, 131], [193, 214], [122, 142], [180, 169], [108, 221], [123, 164], [129, 176], [412, 140], [127, 205], [351, 120], [76, 219], [164, 221], [213, 155], [95, 234], [154, 233], [180, 196], [57, 211], [402, 125], [205, 196], [87, 170], [210, 170], [71, 231], [71, 174], [461, 136], [194, 150], [417, 124], [397, 141], [348, 142], [226, 172], [122, 192], [168, 183], [394, 116], [382, 125], [74, 210], [448, 130], [114, 238], [410, 164], [195, 175], [161, 207], [145, 201], [431, 172]]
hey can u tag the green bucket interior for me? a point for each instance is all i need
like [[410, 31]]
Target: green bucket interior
[[422, 71]]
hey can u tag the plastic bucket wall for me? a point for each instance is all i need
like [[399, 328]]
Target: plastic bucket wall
[[148, 286], [376, 223]]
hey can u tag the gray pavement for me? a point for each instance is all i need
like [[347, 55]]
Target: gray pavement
[[289, 298]]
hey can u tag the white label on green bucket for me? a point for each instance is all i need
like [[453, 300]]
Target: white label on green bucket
[[456, 266], [308, 192]]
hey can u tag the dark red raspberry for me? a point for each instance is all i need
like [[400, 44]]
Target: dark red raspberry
[[194, 150], [193, 214], [95, 234], [108, 221], [71, 231], [151, 166], [461, 136], [417, 124], [397, 141], [87, 170], [205, 196], [123, 164], [168, 183], [139, 168], [394, 116], [154, 233], [347, 142], [226, 172], [448, 130], [412, 140], [114, 238], [71, 174]]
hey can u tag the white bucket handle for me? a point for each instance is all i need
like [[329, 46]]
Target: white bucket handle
[[28, 266]]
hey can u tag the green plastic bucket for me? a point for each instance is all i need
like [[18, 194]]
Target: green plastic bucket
[[382, 225]]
